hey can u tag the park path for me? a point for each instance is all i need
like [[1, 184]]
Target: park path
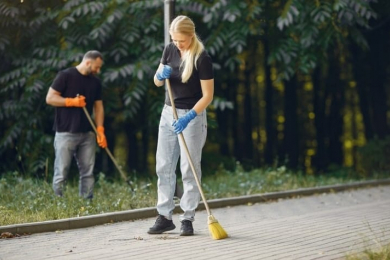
[[322, 226]]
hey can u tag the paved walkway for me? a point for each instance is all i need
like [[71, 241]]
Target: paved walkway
[[324, 226]]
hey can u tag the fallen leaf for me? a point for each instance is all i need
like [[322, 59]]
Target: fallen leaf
[[7, 235]]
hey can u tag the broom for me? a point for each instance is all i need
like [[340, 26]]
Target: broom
[[216, 230], [123, 175]]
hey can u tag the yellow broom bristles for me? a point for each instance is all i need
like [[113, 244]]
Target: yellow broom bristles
[[216, 230]]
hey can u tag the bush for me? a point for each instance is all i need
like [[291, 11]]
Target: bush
[[374, 157]]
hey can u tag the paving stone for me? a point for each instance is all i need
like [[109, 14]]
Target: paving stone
[[322, 226]]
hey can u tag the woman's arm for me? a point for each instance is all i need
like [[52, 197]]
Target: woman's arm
[[208, 94], [156, 81]]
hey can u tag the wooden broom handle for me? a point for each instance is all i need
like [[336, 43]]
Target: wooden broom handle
[[108, 150], [181, 136]]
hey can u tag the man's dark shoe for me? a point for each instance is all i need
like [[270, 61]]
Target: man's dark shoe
[[162, 224], [186, 228]]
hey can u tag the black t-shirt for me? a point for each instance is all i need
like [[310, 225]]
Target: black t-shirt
[[69, 83], [186, 95]]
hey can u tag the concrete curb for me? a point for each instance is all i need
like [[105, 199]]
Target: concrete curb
[[93, 220]]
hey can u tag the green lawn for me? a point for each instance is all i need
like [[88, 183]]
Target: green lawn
[[26, 200]]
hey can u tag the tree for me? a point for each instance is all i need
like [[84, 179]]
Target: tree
[[281, 73]]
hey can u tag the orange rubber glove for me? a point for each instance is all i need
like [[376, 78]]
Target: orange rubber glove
[[100, 137], [78, 101]]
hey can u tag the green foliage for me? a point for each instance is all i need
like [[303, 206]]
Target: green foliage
[[39, 38], [22, 84], [312, 27], [66, 30], [224, 27], [241, 182], [374, 157]]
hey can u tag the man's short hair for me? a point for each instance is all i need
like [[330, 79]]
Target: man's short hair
[[93, 55]]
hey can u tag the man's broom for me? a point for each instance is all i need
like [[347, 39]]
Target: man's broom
[[123, 175], [216, 230]]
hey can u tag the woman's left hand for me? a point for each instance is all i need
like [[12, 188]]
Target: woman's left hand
[[180, 124]]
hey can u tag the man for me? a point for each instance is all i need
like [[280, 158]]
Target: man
[[73, 89]]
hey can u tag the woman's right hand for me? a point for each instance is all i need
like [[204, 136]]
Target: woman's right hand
[[165, 73]]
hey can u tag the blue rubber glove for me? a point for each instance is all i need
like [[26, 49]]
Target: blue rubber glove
[[180, 124], [165, 73]]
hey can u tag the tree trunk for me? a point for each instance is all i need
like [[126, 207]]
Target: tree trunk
[[360, 69], [248, 108], [378, 59], [269, 120], [335, 117], [291, 136], [236, 127], [320, 159], [223, 117], [132, 144]]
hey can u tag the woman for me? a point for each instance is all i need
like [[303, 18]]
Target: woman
[[189, 69]]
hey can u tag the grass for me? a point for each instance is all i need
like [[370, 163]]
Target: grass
[[383, 253], [375, 248], [25, 200]]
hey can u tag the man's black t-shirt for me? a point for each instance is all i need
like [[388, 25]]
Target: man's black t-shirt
[[69, 83], [186, 95]]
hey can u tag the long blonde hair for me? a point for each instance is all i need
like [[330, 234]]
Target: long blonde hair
[[184, 25]]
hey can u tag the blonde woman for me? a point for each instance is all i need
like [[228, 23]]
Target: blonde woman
[[189, 69]]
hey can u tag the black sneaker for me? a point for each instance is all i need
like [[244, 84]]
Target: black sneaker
[[186, 228], [162, 224]]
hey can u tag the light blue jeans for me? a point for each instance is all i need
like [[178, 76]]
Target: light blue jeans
[[169, 149], [81, 146]]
